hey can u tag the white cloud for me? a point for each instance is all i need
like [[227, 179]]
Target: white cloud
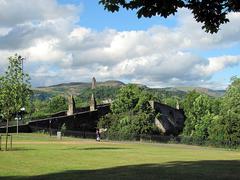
[[44, 50], [21, 12], [216, 64], [60, 50]]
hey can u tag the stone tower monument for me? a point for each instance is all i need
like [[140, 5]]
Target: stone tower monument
[[177, 105], [94, 82], [93, 103], [71, 105]]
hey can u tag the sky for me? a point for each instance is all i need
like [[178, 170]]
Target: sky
[[74, 40]]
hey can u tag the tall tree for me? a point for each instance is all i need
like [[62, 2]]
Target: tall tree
[[189, 112], [57, 104], [131, 114], [227, 125], [212, 13], [201, 112], [130, 97], [14, 90]]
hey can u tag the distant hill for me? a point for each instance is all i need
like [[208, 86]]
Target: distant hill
[[109, 88], [210, 92], [110, 83], [75, 88]]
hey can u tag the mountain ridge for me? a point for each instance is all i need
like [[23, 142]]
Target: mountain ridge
[[104, 83], [75, 88]]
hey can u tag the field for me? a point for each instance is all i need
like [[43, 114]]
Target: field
[[38, 156]]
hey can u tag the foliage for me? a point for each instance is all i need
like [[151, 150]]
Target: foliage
[[44, 108], [211, 13], [214, 121], [108, 121], [129, 125], [189, 112], [130, 97], [200, 112], [226, 129], [14, 90], [56, 104], [173, 101], [131, 114], [40, 109]]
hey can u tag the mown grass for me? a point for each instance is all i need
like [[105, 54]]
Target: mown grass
[[38, 156]]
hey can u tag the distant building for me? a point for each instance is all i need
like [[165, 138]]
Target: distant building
[[169, 120], [71, 106], [107, 101]]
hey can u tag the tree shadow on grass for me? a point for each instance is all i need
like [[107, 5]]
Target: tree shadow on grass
[[96, 148], [203, 170], [19, 149]]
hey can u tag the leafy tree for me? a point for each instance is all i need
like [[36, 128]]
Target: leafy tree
[[44, 108], [131, 114], [128, 125], [14, 90], [227, 124], [41, 109], [200, 112], [56, 104], [189, 112], [172, 101], [209, 12], [201, 116], [130, 97]]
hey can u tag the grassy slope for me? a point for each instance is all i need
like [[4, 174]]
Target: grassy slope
[[74, 88], [78, 88], [87, 159], [210, 92]]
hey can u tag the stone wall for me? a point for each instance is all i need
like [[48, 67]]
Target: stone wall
[[13, 129], [170, 120], [76, 122], [81, 121]]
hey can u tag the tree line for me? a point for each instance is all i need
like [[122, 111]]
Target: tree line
[[209, 120]]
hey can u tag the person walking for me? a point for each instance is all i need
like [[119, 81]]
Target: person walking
[[97, 135]]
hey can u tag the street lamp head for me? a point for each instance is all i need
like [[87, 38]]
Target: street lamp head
[[21, 58], [23, 109]]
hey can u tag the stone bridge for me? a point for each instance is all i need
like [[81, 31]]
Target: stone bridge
[[83, 120]]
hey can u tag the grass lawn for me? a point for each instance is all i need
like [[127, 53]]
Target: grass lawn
[[37, 156]]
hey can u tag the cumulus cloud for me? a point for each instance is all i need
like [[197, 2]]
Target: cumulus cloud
[[58, 49], [20, 12], [216, 64]]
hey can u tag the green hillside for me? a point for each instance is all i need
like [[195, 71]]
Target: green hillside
[[210, 92], [81, 89], [108, 89]]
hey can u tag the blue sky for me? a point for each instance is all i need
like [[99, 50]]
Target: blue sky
[[73, 40], [94, 16]]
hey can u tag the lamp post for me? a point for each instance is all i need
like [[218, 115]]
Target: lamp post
[[19, 116], [50, 128], [17, 119], [22, 111]]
